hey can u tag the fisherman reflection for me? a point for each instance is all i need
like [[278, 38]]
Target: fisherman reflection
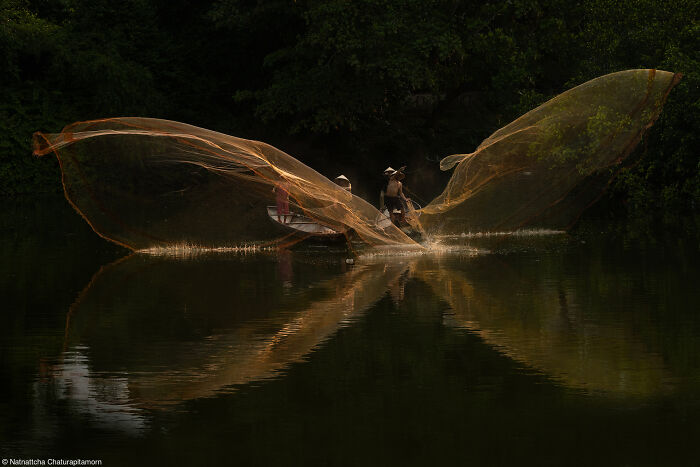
[[285, 271], [397, 290]]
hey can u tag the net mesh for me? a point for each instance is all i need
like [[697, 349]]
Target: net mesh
[[145, 183], [546, 167]]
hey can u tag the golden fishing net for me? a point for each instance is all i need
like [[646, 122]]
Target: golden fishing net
[[547, 166], [144, 182]]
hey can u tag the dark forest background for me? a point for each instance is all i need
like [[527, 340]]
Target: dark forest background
[[346, 86]]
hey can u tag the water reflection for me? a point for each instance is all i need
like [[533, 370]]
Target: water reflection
[[539, 323], [184, 329], [150, 332], [104, 400]]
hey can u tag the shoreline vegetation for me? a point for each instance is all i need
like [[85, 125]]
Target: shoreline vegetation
[[349, 88]]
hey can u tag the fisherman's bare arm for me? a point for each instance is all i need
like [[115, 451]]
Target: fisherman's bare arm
[[401, 192]]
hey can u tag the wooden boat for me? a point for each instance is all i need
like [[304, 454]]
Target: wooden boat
[[297, 223], [307, 227]]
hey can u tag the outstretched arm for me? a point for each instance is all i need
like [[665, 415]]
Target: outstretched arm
[[401, 191]]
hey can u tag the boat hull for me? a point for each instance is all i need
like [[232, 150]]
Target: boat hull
[[303, 226]]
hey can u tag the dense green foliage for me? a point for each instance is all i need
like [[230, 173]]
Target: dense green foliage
[[344, 85]]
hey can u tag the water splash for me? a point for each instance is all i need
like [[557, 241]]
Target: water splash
[[188, 250], [514, 233]]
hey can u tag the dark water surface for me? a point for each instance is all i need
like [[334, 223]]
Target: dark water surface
[[529, 350]]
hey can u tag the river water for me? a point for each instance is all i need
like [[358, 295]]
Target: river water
[[534, 349]]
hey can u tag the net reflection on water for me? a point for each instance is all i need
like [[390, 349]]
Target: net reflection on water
[[280, 326], [152, 332], [543, 327]]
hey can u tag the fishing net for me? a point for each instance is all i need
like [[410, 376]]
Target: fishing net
[[546, 167], [146, 183]]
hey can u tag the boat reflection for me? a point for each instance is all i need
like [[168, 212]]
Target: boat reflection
[[104, 399]]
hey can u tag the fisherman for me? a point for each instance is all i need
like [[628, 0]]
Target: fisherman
[[282, 200], [388, 172], [342, 181], [394, 198]]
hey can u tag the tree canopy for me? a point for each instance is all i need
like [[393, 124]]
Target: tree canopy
[[344, 85]]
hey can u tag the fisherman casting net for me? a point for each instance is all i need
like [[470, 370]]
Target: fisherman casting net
[[144, 182]]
